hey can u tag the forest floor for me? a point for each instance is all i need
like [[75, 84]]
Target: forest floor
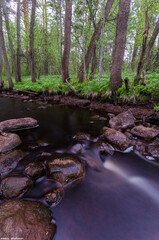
[[94, 90]]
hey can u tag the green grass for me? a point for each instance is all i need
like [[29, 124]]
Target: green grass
[[136, 93]]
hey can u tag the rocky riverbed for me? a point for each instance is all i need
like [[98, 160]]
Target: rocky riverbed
[[40, 165]]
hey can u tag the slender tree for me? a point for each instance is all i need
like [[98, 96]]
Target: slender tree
[[151, 41], [3, 47], [120, 43], [25, 18], [67, 41], [101, 49], [32, 57], [18, 42], [10, 40], [144, 45], [1, 66], [45, 34], [135, 50], [94, 38]]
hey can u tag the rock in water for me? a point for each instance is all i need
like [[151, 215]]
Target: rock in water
[[8, 141], [12, 187], [66, 169], [9, 161], [18, 124], [34, 170], [145, 132], [26, 220], [116, 138], [122, 121]]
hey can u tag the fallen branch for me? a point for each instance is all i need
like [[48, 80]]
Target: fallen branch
[[72, 88]]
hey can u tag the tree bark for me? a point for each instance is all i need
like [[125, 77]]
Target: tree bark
[[144, 45], [18, 42], [92, 44], [1, 66], [152, 41], [45, 33], [101, 49], [136, 38], [67, 41], [32, 60], [2, 45], [26, 24], [10, 40], [120, 43]]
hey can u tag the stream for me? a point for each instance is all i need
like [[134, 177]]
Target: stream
[[119, 200]]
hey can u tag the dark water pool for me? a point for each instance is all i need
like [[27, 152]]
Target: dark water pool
[[118, 201]]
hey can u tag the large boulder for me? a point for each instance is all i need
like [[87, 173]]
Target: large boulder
[[12, 187], [66, 169], [8, 141], [9, 161], [145, 132], [18, 124], [25, 220], [117, 139], [122, 121]]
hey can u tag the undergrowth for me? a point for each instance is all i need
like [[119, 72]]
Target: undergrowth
[[135, 94]]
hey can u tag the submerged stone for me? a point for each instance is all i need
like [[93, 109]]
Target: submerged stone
[[26, 220], [80, 136], [55, 196]]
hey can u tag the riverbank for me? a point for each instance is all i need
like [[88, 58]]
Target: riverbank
[[143, 116]]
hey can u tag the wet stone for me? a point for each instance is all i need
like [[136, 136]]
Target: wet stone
[[145, 132], [81, 137], [116, 138], [8, 141], [26, 220], [66, 169], [76, 149], [55, 196], [18, 124], [9, 160], [105, 148], [122, 121], [12, 187], [34, 170]]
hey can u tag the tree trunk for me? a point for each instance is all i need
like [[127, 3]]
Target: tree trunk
[[10, 41], [2, 45], [136, 38], [67, 41], [144, 45], [92, 44], [120, 43], [1, 66], [32, 60], [45, 33], [26, 24], [151, 42], [101, 48], [18, 42], [94, 65]]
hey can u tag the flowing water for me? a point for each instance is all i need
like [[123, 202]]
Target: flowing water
[[119, 200]]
